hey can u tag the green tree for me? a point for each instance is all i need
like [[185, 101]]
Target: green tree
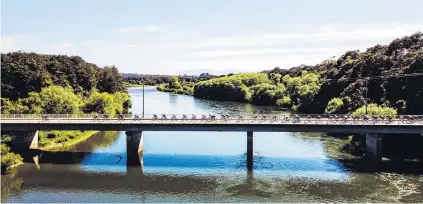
[[174, 83], [374, 109], [59, 100], [334, 105], [285, 101]]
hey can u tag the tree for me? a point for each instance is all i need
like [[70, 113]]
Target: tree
[[284, 101], [23, 73], [59, 100], [374, 109], [174, 83], [334, 105]]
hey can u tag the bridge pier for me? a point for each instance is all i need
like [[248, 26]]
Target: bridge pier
[[134, 148], [250, 150], [23, 141], [374, 146]]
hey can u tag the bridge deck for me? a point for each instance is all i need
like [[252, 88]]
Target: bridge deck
[[267, 125]]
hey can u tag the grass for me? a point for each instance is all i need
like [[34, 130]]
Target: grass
[[61, 140]]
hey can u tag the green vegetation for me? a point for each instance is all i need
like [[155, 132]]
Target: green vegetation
[[57, 84], [344, 78], [334, 105], [155, 80], [284, 101], [60, 140], [23, 73], [59, 100], [229, 88], [175, 86], [374, 109], [11, 184], [8, 159], [261, 89]]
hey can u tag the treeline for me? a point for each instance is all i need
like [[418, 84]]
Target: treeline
[[154, 80], [343, 82], [150, 80], [261, 89], [23, 73]]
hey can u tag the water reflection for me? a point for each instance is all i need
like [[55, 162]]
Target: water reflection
[[207, 166]]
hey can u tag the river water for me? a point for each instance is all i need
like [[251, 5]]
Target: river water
[[206, 166]]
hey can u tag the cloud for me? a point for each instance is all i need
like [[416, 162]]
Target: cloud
[[258, 52], [332, 33], [138, 29], [14, 42], [174, 52]]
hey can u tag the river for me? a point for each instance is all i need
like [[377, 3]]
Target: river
[[205, 166]]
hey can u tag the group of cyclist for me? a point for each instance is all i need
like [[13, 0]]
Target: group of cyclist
[[285, 118], [307, 118], [185, 117]]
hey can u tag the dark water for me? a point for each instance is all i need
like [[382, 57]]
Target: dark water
[[205, 166]]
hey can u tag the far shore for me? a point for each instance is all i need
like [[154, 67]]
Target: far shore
[[138, 85]]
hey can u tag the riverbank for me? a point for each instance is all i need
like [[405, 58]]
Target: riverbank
[[8, 159], [163, 88], [62, 140]]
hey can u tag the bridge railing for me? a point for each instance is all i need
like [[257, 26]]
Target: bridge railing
[[199, 115], [245, 119]]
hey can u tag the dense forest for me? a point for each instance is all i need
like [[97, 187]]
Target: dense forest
[[57, 84], [386, 67], [23, 73], [333, 86]]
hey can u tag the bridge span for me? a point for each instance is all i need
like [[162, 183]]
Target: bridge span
[[26, 126]]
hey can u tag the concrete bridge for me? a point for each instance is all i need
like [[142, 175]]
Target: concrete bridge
[[24, 128]]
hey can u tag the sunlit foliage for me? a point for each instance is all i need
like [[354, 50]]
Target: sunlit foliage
[[374, 109]]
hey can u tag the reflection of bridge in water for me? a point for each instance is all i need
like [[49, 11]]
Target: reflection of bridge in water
[[136, 182], [25, 128]]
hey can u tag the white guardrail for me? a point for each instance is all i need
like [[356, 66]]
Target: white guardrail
[[208, 118]]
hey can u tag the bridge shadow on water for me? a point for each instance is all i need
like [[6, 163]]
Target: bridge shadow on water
[[323, 168], [212, 163]]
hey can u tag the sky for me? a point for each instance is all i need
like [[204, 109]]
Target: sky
[[196, 36]]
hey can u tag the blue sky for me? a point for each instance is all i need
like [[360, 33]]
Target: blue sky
[[193, 36]]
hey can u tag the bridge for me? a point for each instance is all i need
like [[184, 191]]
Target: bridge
[[25, 127]]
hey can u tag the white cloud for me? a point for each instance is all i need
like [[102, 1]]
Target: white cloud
[[174, 52], [333, 33], [138, 29], [14, 42], [258, 52]]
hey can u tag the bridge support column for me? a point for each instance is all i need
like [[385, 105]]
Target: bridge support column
[[250, 150], [134, 148], [24, 141], [374, 146]]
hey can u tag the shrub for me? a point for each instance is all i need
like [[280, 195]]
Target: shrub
[[374, 109], [334, 105], [284, 101], [10, 159]]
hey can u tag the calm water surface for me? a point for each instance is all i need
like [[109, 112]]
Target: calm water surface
[[204, 166]]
